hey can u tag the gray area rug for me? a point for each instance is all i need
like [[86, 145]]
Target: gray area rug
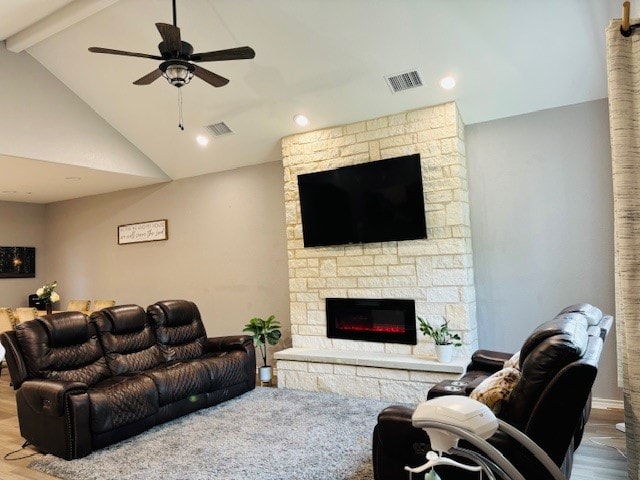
[[266, 434]]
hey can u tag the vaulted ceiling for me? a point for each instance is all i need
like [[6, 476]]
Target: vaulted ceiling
[[74, 124]]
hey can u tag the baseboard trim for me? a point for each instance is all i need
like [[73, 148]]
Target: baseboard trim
[[607, 404]]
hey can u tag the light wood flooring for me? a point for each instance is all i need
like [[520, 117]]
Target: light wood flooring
[[597, 456], [591, 460]]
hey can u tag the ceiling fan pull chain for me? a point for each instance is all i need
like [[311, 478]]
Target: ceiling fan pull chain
[[180, 120]]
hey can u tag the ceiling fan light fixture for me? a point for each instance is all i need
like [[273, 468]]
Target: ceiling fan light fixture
[[178, 73]]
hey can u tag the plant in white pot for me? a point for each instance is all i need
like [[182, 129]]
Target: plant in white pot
[[264, 332], [445, 340]]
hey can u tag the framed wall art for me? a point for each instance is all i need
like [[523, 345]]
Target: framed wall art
[[17, 262], [152, 231]]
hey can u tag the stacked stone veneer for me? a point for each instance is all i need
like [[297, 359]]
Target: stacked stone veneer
[[436, 272]]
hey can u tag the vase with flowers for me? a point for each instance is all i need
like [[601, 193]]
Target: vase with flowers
[[48, 294]]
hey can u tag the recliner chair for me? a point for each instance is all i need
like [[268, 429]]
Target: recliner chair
[[550, 403]]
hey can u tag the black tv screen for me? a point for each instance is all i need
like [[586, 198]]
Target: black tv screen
[[378, 201]]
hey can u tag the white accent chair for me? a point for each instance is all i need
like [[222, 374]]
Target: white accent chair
[[78, 306], [24, 314], [100, 304]]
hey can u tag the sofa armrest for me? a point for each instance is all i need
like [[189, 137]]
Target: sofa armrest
[[488, 360], [397, 433], [48, 396], [463, 386], [225, 344], [17, 367]]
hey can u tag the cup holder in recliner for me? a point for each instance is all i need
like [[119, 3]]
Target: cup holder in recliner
[[452, 388], [459, 383]]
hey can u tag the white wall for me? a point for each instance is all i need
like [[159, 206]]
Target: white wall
[[542, 223], [226, 249], [44, 120], [22, 225]]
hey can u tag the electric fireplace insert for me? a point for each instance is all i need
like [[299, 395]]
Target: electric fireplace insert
[[373, 320]]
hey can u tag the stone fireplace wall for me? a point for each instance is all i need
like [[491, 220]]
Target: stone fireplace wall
[[436, 272]]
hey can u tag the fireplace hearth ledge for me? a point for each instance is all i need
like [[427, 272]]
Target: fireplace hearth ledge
[[372, 359]]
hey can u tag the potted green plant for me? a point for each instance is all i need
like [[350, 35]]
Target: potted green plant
[[264, 332], [445, 340]]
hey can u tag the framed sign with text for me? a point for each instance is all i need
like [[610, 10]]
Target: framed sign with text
[[153, 231]]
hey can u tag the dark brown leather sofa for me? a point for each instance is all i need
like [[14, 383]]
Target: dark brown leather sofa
[[84, 383], [550, 403]]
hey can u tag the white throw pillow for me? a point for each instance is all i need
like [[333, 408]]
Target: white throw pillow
[[493, 391], [513, 362]]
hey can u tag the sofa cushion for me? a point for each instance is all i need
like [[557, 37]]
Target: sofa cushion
[[121, 400], [513, 361], [225, 368], [179, 329], [178, 312], [126, 318], [66, 330], [62, 346], [179, 380], [494, 390], [128, 339]]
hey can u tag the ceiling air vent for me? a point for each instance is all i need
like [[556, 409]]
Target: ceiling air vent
[[218, 129], [404, 81]]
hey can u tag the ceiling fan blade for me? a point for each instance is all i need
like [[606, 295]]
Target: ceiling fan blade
[[170, 36], [149, 77], [210, 77], [240, 53], [122, 52]]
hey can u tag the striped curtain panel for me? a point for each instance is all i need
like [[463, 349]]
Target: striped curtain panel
[[623, 70]]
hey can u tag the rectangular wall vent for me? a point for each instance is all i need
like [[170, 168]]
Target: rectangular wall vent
[[218, 129], [404, 81]]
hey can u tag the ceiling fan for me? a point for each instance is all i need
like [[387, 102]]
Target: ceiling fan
[[177, 57]]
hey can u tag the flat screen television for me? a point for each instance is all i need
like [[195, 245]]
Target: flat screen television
[[378, 201]]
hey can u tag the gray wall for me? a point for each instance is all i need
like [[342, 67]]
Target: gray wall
[[226, 249], [541, 218], [542, 223], [22, 225]]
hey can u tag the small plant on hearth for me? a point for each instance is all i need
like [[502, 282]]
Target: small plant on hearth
[[264, 332], [441, 335]]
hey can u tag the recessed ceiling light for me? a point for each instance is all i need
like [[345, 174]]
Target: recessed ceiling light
[[202, 140], [448, 83], [301, 120]]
